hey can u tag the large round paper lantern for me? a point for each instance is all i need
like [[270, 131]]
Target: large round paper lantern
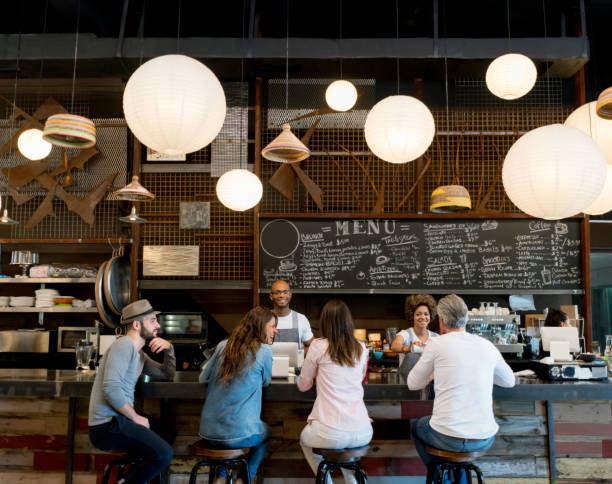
[[341, 95], [399, 129], [32, 145], [239, 189], [603, 203], [511, 76], [586, 120], [554, 172], [174, 104]]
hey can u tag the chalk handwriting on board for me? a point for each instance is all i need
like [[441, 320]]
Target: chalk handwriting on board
[[325, 254]]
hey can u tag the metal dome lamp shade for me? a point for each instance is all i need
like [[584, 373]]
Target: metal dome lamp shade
[[286, 148], [604, 104], [341, 95], [399, 129], [554, 172], [585, 119], [134, 192], [511, 76], [70, 131], [133, 217], [32, 145], [174, 104], [239, 190], [450, 199]]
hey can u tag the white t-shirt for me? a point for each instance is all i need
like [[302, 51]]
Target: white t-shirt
[[409, 336], [465, 367], [286, 322]]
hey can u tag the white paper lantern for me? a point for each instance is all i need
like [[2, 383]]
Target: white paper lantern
[[341, 95], [511, 76], [586, 120], [399, 129], [32, 145], [239, 190], [603, 203], [554, 172], [174, 104]]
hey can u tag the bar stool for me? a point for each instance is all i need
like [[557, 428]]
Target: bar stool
[[341, 458], [214, 458], [447, 461], [119, 462]]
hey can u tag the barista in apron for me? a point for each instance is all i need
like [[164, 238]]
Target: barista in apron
[[292, 326]]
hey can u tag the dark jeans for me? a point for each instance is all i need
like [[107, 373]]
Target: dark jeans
[[258, 443], [423, 435], [152, 445]]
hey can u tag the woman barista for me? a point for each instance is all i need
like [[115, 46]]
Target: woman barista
[[409, 343]]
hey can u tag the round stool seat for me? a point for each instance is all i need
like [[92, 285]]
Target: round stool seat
[[200, 448], [454, 456], [342, 455]]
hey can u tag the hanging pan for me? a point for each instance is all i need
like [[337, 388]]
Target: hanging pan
[[108, 317], [117, 283]]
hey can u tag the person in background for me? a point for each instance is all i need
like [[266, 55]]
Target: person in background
[[292, 326], [466, 367], [338, 363], [409, 343], [113, 421], [557, 318], [236, 374]]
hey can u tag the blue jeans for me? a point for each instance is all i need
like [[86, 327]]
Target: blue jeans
[[423, 435], [258, 443]]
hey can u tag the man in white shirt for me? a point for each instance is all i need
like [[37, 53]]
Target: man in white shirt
[[465, 368], [292, 326]]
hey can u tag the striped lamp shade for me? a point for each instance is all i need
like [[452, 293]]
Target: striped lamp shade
[[70, 131], [604, 104], [286, 148], [450, 198]]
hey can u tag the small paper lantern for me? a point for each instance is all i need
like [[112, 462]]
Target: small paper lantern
[[174, 104], [341, 95], [586, 120], [399, 129], [239, 190], [286, 148], [553, 172], [511, 76], [32, 145], [70, 131], [604, 104], [450, 198], [603, 203]]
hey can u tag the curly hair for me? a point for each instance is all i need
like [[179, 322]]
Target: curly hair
[[415, 300], [244, 342]]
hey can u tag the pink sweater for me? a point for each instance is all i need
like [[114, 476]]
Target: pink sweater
[[339, 403]]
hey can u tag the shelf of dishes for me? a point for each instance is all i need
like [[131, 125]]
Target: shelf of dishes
[[46, 280], [55, 309]]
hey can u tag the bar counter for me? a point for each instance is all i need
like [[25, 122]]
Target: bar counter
[[380, 387]]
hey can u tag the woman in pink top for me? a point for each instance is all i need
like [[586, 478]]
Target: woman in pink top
[[338, 362]]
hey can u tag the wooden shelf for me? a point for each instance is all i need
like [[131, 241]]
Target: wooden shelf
[[47, 310], [46, 280]]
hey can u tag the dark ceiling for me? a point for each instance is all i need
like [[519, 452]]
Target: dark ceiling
[[115, 35]]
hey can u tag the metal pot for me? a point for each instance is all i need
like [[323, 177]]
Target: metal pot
[[108, 317], [117, 283]]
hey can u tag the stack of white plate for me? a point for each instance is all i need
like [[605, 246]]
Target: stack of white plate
[[4, 301], [22, 301], [45, 298]]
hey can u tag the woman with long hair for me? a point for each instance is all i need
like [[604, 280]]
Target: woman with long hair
[[236, 373], [338, 362]]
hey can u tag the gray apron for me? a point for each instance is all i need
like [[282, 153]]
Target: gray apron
[[410, 359], [292, 334]]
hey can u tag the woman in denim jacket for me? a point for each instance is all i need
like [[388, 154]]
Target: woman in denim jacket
[[238, 370]]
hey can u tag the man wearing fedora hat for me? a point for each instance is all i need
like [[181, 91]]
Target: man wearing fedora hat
[[113, 422]]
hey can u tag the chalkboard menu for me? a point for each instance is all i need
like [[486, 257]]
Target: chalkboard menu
[[433, 255]]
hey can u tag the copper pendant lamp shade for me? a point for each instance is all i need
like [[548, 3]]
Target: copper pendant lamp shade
[[450, 198], [70, 131], [134, 192], [286, 148]]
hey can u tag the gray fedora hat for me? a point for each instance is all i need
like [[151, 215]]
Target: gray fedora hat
[[137, 310]]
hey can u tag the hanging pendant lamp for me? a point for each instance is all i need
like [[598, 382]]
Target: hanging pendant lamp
[[133, 217], [5, 219], [134, 192], [70, 131], [286, 148], [604, 104], [32, 145], [511, 76], [239, 189], [449, 199]]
